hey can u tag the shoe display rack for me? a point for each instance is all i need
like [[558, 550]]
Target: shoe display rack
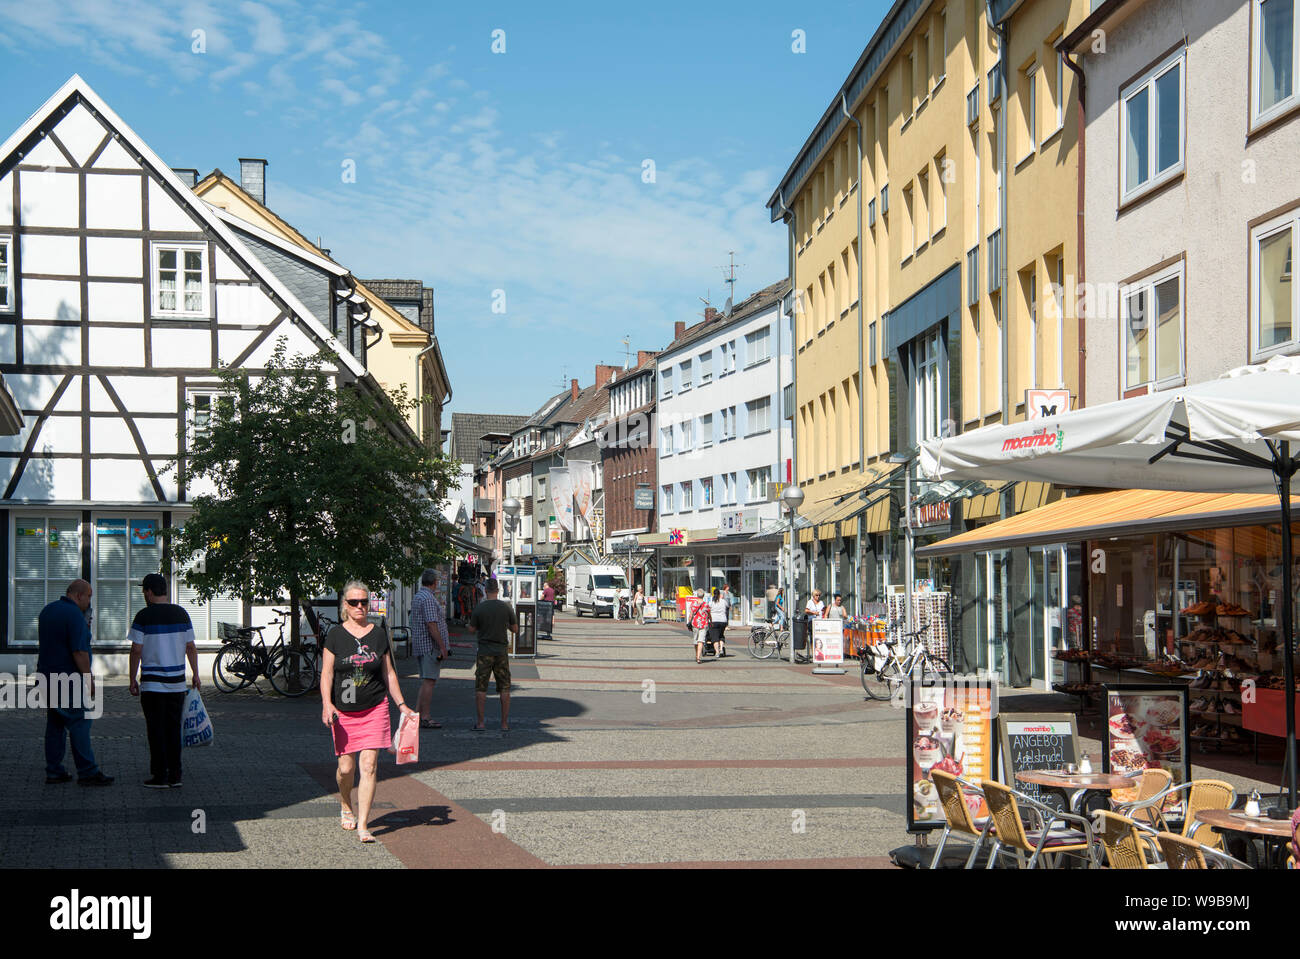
[[1223, 658]]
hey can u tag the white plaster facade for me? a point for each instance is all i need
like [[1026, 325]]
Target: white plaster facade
[[1198, 224]]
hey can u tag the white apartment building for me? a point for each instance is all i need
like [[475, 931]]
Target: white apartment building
[[724, 450]]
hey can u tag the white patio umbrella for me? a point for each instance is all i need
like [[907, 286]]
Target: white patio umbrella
[[1229, 435]]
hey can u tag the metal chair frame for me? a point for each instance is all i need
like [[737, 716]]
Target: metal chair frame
[[966, 828], [1207, 857], [1046, 816]]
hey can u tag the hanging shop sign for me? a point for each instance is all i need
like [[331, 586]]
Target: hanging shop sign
[[737, 522], [950, 728], [678, 537], [1043, 403], [932, 514]]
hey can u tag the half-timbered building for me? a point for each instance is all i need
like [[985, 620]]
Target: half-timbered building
[[123, 292]]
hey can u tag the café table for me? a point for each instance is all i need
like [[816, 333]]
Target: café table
[[1074, 786], [1234, 820]]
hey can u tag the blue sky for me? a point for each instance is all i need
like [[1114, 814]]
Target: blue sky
[[477, 171]]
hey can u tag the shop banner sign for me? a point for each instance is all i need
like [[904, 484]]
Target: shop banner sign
[[1037, 741], [562, 496], [828, 642], [1146, 728], [651, 607], [948, 727], [583, 480]]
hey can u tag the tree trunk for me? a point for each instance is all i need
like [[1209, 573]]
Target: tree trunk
[[295, 635]]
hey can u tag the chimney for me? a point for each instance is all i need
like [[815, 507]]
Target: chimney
[[678, 329], [189, 177], [252, 178], [573, 389], [643, 357], [709, 313], [604, 374]]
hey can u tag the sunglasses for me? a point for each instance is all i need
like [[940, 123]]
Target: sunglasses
[[357, 602]]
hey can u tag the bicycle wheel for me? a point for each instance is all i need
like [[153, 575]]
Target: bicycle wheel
[[890, 680], [762, 644], [232, 669], [872, 683], [934, 669], [291, 672]]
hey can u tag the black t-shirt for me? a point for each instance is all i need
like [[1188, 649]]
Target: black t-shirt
[[358, 668]]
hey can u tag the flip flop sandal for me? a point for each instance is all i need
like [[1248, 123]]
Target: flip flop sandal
[[365, 836], [348, 820], [429, 724]]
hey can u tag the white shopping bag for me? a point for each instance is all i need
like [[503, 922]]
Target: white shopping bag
[[196, 727], [406, 740]]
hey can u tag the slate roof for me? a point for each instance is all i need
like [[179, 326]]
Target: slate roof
[[406, 291], [754, 303], [468, 429]]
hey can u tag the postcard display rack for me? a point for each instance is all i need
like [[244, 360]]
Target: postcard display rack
[[932, 609]]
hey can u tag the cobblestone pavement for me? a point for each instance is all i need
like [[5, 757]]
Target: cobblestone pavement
[[622, 752]]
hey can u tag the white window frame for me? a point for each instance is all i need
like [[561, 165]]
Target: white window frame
[[665, 441], [214, 394], [1148, 284], [666, 498], [1030, 73], [757, 493], [666, 381], [762, 336], [761, 405], [9, 286], [706, 430], [687, 430], [684, 376], [1060, 92], [205, 292], [706, 492], [1270, 228], [706, 367], [688, 496], [926, 399], [1258, 117], [1148, 82]]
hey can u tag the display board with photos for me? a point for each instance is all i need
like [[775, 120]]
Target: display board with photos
[[828, 642], [949, 727], [1037, 741], [1146, 728]]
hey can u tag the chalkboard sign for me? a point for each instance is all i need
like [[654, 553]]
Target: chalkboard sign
[[545, 618], [1037, 741]]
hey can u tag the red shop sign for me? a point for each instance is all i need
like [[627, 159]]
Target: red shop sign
[[932, 513]]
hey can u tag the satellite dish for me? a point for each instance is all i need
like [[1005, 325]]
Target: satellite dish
[[726, 309]]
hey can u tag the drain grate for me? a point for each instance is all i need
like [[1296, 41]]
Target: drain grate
[[756, 709]]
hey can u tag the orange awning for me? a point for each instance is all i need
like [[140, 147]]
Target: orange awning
[[1130, 512]]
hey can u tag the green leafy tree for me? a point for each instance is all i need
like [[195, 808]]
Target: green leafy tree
[[313, 485]]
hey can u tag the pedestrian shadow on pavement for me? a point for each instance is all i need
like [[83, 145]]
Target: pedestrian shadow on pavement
[[399, 819]]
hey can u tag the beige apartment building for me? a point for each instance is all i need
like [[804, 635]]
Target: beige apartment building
[[933, 233]]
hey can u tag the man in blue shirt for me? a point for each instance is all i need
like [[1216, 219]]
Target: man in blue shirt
[[64, 638]]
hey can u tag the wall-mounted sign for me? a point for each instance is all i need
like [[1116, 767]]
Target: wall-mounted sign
[[144, 532], [1040, 403], [643, 499], [110, 527], [932, 514], [737, 522], [678, 537]]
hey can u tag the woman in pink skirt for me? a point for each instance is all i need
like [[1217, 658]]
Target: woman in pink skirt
[[357, 677]]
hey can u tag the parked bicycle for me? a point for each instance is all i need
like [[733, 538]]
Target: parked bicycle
[[768, 639], [883, 674], [245, 658]]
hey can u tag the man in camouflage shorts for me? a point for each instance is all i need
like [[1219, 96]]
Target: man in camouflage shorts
[[491, 620]]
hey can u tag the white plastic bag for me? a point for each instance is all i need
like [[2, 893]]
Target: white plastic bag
[[406, 739], [196, 726]]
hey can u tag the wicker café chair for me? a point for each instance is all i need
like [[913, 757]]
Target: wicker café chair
[[1182, 853], [1151, 783], [1125, 841], [960, 823], [1201, 794], [1005, 805]]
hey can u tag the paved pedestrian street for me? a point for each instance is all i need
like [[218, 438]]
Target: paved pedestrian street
[[622, 752]]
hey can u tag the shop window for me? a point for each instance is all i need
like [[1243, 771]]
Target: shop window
[[125, 551], [47, 557]]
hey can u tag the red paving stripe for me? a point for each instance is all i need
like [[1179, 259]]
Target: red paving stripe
[[437, 833], [493, 765], [658, 682], [860, 862]]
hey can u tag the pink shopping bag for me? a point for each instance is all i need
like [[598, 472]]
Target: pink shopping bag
[[406, 741]]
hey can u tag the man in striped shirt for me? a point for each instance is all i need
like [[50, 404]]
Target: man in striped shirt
[[431, 642], [162, 638]]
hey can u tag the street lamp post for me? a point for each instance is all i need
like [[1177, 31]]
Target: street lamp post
[[792, 499], [512, 506], [908, 562], [630, 542]]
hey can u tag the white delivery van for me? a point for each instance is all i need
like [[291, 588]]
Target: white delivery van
[[595, 589]]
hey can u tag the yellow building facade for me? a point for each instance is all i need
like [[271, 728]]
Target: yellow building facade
[[931, 281]]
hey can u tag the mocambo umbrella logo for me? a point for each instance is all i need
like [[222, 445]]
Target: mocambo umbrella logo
[[1044, 438]]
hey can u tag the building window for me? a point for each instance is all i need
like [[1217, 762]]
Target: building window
[[687, 428], [667, 497], [46, 557], [6, 274], [666, 382], [706, 367], [927, 395], [731, 356], [706, 492], [940, 219], [208, 407], [1151, 321], [706, 429], [688, 496], [685, 379], [1029, 108], [758, 414], [666, 441], [757, 484], [125, 550], [758, 346], [1273, 301], [728, 425], [871, 344], [1060, 90], [1273, 58], [910, 246], [1151, 128], [180, 280]]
